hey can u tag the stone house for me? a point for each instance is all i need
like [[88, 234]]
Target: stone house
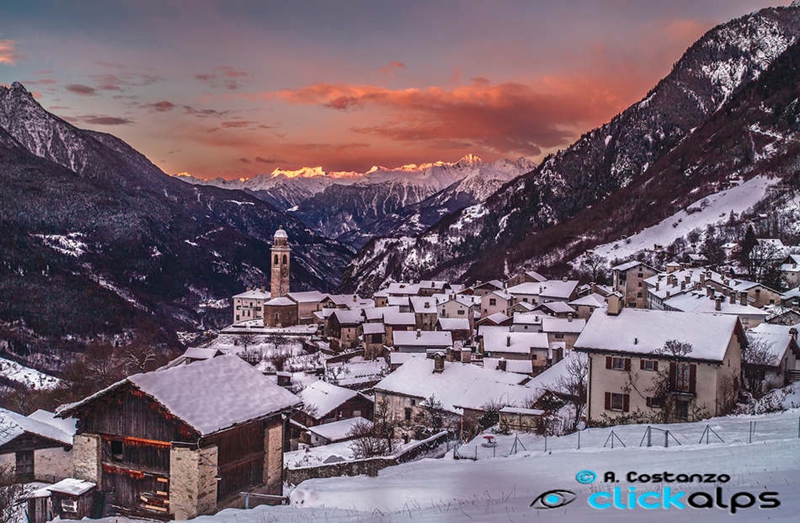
[[586, 305], [280, 312], [344, 326], [36, 447], [500, 342], [564, 330], [397, 321], [457, 306], [325, 403], [249, 305], [308, 303], [183, 441], [628, 280], [630, 374], [494, 302], [422, 341], [425, 314]]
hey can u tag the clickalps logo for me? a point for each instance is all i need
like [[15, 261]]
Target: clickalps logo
[[671, 493]]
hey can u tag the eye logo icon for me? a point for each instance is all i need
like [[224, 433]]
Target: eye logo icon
[[585, 477], [553, 499]]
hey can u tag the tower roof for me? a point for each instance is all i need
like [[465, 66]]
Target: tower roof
[[280, 233]]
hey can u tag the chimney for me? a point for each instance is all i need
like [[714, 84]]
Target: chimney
[[658, 285], [710, 292], [683, 285], [284, 379], [569, 317], [508, 340], [733, 298], [667, 296], [419, 333], [438, 363], [793, 333], [355, 297], [614, 304], [718, 304], [564, 279], [702, 277], [687, 278], [451, 357], [501, 364], [743, 298], [466, 355]]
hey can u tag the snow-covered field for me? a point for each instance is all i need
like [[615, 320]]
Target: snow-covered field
[[713, 209], [30, 377]]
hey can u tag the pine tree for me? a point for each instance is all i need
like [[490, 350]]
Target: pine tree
[[747, 245]]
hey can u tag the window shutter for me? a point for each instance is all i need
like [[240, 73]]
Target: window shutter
[[608, 401], [648, 401], [692, 378], [608, 362], [673, 375], [641, 364], [626, 402], [655, 365], [627, 364]]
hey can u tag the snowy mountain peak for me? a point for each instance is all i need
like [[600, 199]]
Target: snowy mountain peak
[[303, 172]]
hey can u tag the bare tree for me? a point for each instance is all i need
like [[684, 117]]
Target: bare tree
[[595, 266], [757, 357], [431, 415], [384, 423], [367, 442], [11, 494], [573, 384]]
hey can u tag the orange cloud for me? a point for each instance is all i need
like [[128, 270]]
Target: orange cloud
[[393, 66], [8, 52]]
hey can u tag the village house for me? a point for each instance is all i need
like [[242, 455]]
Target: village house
[[420, 341], [498, 318], [461, 388], [790, 269], [558, 309], [710, 303], [402, 289], [630, 374], [249, 305], [374, 335], [775, 359], [629, 279], [494, 302], [403, 303], [183, 441], [586, 305], [424, 308], [537, 293], [500, 342], [375, 314], [36, 447], [564, 330], [483, 288], [431, 287], [344, 327], [308, 303], [457, 306], [397, 321], [381, 298], [324, 403], [335, 432], [459, 328], [520, 306], [524, 277], [758, 294], [527, 322]]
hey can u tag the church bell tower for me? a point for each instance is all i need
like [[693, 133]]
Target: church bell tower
[[281, 254]]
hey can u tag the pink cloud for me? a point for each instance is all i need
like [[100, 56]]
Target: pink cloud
[[8, 52]]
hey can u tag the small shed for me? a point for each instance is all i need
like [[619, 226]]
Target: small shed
[[72, 498], [525, 420]]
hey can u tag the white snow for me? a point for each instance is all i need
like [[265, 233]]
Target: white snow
[[714, 209], [69, 244], [31, 377], [13, 425], [321, 397]]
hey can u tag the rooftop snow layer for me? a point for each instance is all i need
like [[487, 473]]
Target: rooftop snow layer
[[321, 397]]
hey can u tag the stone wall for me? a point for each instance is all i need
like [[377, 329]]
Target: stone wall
[[86, 456], [53, 465], [370, 466], [193, 487], [273, 457]]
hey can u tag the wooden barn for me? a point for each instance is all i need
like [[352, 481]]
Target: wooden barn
[[183, 441]]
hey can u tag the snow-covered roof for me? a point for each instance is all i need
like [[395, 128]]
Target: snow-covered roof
[[432, 284], [254, 294], [376, 313], [644, 331], [628, 265], [423, 304], [374, 328], [496, 284], [550, 324], [500, 339], [557, 307], [210, 395], [343, 299], [338, 430], [348, 316], [280, 233], [527, 318], [68, 425], [461, 299], [791, 293], [321, 397], [776, 339], [558, 289], [419, 338], [403, 289], [590, 300], [398, 358], [197, 353], [516, 366], [399, 318], [398, 301], [700, 302], [13, 425], [71, 486], [497, 318], [499, 293], [535, 275], [550, 378], [460, 385], [521, 411], [454, 324], [532, 288], [528, 307], [281, 301], [307, 296]]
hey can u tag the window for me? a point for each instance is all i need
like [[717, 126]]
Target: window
[[617, 363], [653, 402], [683, 377], [638, 294], [619, 402], [285, 259], [649, 365], [559, 335], [640, 284], [525, 300], [492, 301], [413, 403], [640, 275], [534, 357], [461, 312], [117, 451], [276, 260]]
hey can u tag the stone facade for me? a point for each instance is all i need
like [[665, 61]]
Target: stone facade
[[273, 458], [193, 484], [86, 455], [281, 259]]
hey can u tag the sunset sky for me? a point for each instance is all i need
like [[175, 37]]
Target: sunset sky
[[236, 88]]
